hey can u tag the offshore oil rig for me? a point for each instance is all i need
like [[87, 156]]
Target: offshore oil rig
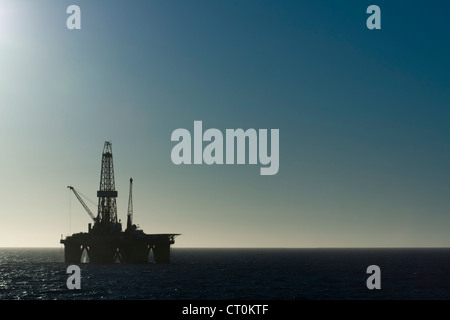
[[105, 242]]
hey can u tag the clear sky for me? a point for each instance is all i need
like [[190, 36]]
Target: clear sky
[[363, 117]]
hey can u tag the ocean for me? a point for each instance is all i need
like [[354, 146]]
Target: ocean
[[233, 274]]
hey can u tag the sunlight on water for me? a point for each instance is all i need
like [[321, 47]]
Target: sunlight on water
[[282, 274]]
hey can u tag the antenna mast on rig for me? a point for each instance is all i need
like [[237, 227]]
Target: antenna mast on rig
[[130, 207]]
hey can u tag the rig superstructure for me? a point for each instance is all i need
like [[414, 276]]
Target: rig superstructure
[[105, 242]]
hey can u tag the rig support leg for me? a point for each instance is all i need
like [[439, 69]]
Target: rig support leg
[[72, 253], [161, 252]]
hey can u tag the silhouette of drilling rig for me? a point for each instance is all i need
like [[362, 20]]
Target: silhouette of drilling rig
[[105, 242]]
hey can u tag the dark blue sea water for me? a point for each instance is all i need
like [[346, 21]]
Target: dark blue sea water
[[253, 274]]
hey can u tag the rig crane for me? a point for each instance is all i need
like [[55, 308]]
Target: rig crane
[[83, 203]]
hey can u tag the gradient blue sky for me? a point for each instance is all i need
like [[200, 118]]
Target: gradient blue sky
[[363, 118]]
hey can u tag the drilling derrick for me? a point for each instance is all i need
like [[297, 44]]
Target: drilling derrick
[[105, 242], [107, 208]]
